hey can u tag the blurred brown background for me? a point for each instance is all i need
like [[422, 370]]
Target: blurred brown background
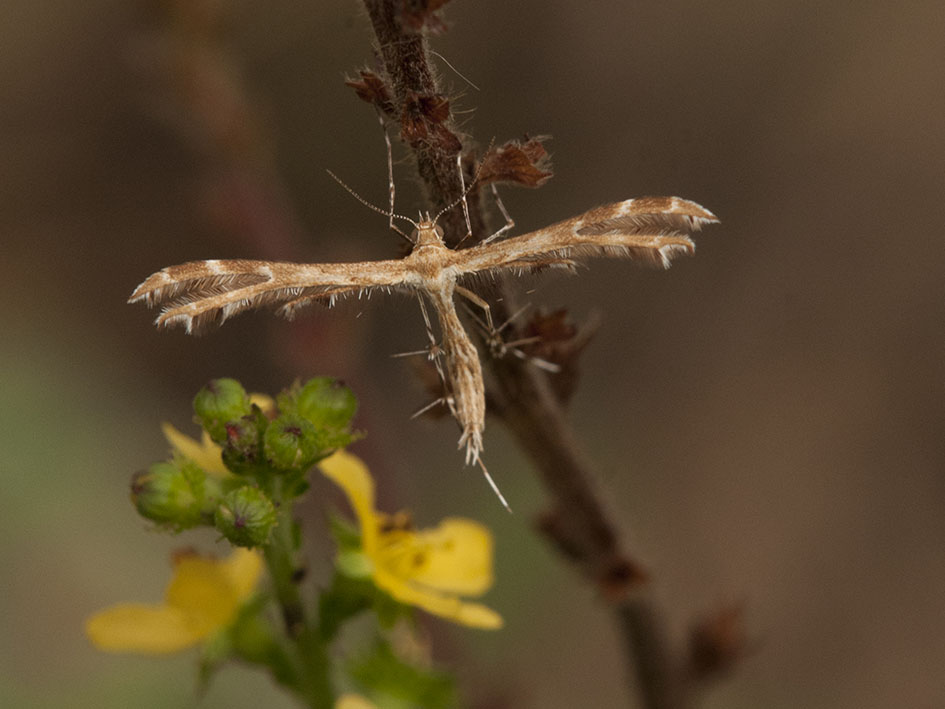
[[768, 415]]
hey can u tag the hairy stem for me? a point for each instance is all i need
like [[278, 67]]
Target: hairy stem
[[283, 566], [307, 673], [578, 524], [409, 75]]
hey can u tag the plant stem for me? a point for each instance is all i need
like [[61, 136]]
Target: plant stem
[[579, 524], [310, 673], [281, 560]]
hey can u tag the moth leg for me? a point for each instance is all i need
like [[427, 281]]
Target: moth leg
[[509, 222], [434, 349], [430, 352], [390, 174], [514, 346], [462, 187], [500, 348], [442, 401], [475, 299]]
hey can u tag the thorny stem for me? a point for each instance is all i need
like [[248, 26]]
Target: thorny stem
[[579, 525], [406, 62]]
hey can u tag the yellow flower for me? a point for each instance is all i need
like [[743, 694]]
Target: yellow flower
[[354, 701], [429, 568], [202, 598], [205, 453]]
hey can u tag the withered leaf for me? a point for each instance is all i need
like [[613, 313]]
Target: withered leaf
[[555, 338], [371, 88], [523, 163], [418, 14], [717, 641], [423, 123]]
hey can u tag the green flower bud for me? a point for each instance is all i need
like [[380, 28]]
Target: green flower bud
[[246, 517], [291, 443], [325, 402], [242, 445], [178, 494], [221, 401]]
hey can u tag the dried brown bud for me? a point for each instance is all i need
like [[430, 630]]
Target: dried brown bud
[[522, 163], [615, 575], [371, 88], [421, 14], [555, 338], [422, 123], [717, 642], [620, 577]]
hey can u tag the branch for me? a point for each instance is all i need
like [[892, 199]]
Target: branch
[[578, 524]]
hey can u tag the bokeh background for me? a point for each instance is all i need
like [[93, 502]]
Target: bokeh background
[[768, 416]]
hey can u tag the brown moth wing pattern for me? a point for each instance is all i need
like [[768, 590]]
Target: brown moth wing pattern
[[652, 230], [201, 294]]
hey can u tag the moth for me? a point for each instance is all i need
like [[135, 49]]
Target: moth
[[650, 230]]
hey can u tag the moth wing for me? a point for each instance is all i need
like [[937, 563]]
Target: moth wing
[[651, 230], [201, 294]]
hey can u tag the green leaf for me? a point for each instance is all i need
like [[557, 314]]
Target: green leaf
[[353, 564], [394, 682], [346, 534], [346, 598]]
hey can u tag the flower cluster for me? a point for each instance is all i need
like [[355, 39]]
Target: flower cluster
[[251, 450], [242, 477]]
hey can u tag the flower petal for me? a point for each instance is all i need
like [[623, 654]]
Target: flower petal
[[265, 402], [204, 590], [476, 615], [455, 556], [416, 567], [243, 568], [352, 475], [204, 453], [354, 701], [446, 606], [143, 629]]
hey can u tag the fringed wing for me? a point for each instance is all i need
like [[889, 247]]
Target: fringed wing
[[201, 294], [652, 230]]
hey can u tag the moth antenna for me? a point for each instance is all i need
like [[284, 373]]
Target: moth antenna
[[375, 208]]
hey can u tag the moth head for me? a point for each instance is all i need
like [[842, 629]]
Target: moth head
[[427, 232]]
